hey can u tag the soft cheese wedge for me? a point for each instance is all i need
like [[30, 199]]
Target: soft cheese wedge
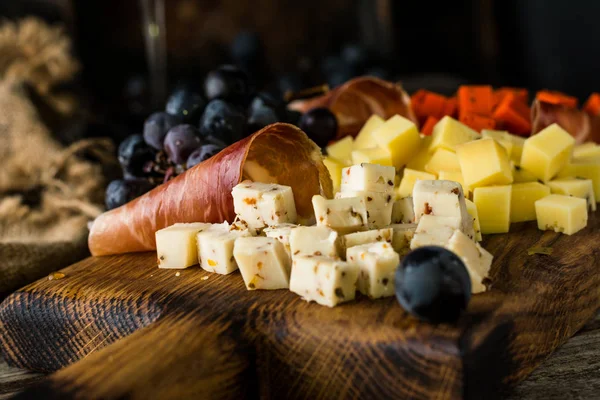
[[378, 263], [315, 241], [215, 248], [263, 204], [324, 280], [176, 245], [263, 262]]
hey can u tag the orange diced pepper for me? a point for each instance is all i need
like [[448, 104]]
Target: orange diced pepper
[[554, 97], [514, 115], [520, 93], [427, 128], [592, 105], [477, 122], [451, 107], [428, 104], [475, 100]]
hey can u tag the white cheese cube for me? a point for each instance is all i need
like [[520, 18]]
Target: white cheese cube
[[345, 215], [378, 205], [176, 245], [315, 241], [437, 237], [403, 235], [403, 211], [215, 248], [376, 235], [325, 280], [477, 260], [262, 204], [240, 225], [282, 233], [378, 263], [368, 177], [444, 199], [263, 262]]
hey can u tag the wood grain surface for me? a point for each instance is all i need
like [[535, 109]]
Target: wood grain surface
[[127, 329]]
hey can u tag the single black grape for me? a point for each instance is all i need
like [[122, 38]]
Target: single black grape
[[264, 110], [181, 141], [320, 125], [185, 104], [121, 191], [433, 284], [227, 82], [134, 153], [156, 127], [202, 153], [223, 121]]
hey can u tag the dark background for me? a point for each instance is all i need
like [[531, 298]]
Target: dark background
[[528, 43]]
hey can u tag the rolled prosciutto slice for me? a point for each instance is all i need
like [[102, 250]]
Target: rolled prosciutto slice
[[359, 98], [581, 125], [279, 153]]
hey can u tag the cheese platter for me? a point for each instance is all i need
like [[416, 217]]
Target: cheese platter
[[397, 265]]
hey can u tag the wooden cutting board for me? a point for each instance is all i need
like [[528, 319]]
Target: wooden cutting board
[[123, 328]]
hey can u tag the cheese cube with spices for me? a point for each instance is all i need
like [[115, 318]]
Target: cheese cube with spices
[[375, 235], [263, 262], [368, 177], [379, 206], [315, 241], [324, 280], [282, 233], [443, 199], [378, 263], [403, 211], [176, 245], [215, 248], [345, 215], [263, 204], [402, 236]]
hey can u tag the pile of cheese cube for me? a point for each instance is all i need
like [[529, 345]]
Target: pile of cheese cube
[[509, 178], [356, 244]]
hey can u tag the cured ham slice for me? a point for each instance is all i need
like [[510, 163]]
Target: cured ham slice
[[279, 153], [355, 101], [581, 125]]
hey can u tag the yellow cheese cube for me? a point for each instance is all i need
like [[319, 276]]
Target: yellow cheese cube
[[484, 162], [422, 157], [442, 160], [582, 188], [560, 213], [341, 150], [472, 210], [493, 208], [547, 152], [523, 198], [586, 152], [502, 137], [364, 140], [517, 148], [522, 175], [373, 155], [448, 133], [455, 176], [587, 170], [400, 137], [335, 171], [408, 181]]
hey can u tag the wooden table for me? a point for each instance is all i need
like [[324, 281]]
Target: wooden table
[[572, 372]]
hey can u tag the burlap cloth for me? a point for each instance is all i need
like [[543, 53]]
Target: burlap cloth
[[48, 192]]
